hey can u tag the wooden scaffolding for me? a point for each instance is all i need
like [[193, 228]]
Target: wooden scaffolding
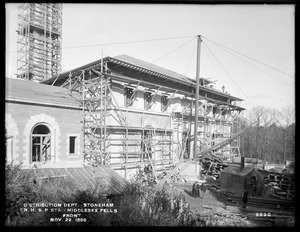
[[39, 40], [117, 144], [110, 140]]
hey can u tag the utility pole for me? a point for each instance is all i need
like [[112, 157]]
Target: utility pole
[[199, 40]]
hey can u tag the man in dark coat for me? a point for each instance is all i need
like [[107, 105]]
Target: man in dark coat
[[245, 198], [196, 189], [203, 189]]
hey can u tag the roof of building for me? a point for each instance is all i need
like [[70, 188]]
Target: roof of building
[[142, 66], [155, 68], [83, 177], [29, 91], [236, 170]]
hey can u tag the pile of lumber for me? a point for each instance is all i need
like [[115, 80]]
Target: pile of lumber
[[267, 203], [173, 173], [212, 165], [283, 185]]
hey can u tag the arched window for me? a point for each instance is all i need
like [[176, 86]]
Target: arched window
[[41, 144]]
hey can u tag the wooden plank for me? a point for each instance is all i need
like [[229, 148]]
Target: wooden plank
[[255, 209], [262, 219], [60, 172], [265, 200], [50, 177]]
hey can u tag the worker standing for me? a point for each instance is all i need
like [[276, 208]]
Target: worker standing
[[203, 189], [196, 189], [245, 198]]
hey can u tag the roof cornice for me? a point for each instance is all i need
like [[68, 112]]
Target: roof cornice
[[108, 59]]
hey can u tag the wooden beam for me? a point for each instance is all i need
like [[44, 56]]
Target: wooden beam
[[170, 100], [133, 96], [153, 98]]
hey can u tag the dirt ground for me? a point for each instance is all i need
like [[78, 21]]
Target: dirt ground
[[217, 209]]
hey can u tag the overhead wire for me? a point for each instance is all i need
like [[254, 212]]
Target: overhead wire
[[170, 38], [229, 74], [190, 61], [212, 61], [249, 57], [126, 42], [256, 67], [172, 50]]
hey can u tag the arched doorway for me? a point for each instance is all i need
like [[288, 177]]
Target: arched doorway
[[41, 144]]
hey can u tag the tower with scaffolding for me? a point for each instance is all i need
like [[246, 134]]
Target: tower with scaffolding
[[39, 41]]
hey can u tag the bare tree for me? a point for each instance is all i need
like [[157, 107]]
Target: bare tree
[[287, 118], [265, 118]]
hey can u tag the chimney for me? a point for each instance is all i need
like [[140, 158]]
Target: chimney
[[242, 163]]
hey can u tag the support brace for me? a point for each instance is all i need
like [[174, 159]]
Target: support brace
[[153, 99], [132, 97], [169, 101]]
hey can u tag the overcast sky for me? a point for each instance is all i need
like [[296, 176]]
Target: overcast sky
[[259, 67]]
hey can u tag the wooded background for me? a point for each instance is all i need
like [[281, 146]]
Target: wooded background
[[272, 137]]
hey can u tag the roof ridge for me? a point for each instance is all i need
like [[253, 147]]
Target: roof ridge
[[143, 61]]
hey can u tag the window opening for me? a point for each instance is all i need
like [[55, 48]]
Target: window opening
[[129, 96], [40, 140], [164, 103], [72, 144], [147, 97]]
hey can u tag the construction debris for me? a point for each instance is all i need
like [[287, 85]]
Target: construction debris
[[173, 174], [220, 217], [278, 185], [212, 165], [266, 202]]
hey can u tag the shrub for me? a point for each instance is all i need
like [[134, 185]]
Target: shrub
[[148, 206], [138, 205], [22, 189]]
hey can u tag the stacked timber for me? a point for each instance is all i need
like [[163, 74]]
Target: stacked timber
[[212, 165], [283, 185], [267, 203], [173, 174]]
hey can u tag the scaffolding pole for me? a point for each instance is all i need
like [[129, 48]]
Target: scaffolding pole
[[39, 41], [197, 99], [98, 102]]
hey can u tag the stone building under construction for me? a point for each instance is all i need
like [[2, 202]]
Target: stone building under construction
[[120, 112]]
